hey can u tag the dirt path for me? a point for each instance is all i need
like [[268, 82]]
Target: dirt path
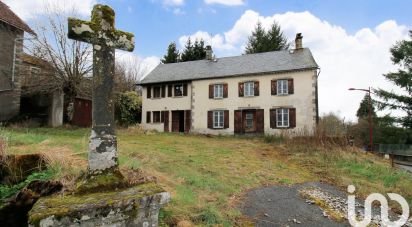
[[284, 206]]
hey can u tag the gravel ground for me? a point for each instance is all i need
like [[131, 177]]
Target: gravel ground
[[297, 206]]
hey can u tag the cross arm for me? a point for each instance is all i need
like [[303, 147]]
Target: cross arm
[[81, 30], [123, 40]]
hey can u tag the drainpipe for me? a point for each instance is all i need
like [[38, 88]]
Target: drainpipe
[[317, 97]]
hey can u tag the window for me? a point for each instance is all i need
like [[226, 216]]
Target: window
[[157, 91], [249, 120], [218, 91], [249, 89], [156, 116], [218, 119], [282, 118], [148, 113], [282, 87], [179, 90]]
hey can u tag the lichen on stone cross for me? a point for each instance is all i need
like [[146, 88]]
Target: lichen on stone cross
[[101, 33]]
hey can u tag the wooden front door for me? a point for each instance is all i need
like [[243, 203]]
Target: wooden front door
[[178, 123], [249, 121]]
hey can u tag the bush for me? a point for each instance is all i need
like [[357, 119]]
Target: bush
[[128, 108]]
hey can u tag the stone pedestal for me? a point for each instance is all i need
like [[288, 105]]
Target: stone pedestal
[[135, 206]]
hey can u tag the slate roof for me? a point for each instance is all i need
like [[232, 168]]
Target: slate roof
[[9, 17], [250, 64]]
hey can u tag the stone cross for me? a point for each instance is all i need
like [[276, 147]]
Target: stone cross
[[100, 32]]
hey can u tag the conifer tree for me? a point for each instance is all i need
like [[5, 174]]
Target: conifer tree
[[172, 55]]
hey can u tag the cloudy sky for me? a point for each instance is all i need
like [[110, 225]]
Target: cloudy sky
[[349, 39]]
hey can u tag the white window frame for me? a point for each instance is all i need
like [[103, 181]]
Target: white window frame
[[218, 119], [174, 90], [282, 87], [249, 89], [283, 114], [218, 91]]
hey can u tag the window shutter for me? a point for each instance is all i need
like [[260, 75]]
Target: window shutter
[[273, 118], [211, 91], [290, 86], [166, 120], [188, 121], [210, 119], [241, 87], [274, 87], [226, 119], [256, 88], [260, 121], [292, 118], [163, 91], [148, 116], [184, 89], [238, 123], [162, 117], [149, 92], [169, 90], [225, 90]]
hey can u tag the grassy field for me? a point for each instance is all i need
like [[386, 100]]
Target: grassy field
[[207, 176]]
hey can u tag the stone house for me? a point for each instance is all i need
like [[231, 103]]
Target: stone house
[[12, 30], [269, 93], [41, 93]]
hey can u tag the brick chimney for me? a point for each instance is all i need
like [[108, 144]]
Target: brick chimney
[[298, 41], [209, 53]]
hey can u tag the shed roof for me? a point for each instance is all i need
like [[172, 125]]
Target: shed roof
[[249, 64]]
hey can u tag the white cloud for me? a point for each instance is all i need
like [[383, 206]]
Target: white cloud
[[226, 2], [178, 11], [173, 2], [346, 60], [29, 9]]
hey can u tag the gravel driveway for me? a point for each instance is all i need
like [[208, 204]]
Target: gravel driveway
[[283, 206]]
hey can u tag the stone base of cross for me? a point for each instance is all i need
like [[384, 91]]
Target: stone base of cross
[[101, 33]]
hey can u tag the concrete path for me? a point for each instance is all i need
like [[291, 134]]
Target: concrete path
[[283, 206]]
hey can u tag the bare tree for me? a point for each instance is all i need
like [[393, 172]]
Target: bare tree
[[128, 72], [70, 59]]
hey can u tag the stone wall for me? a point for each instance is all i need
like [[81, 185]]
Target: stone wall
[[9, 91]]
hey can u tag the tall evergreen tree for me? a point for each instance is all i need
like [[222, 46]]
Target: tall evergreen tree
[[172, 55], [265, 41], [363, 111], [188, 52], [277, 41], [257, 41], [401, 99], [193, 51]]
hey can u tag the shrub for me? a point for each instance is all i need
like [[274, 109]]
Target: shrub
[[128, 108]]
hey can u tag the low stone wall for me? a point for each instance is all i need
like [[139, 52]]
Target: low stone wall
[[135, 206]]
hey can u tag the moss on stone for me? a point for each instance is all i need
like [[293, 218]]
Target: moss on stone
[[109, 180], [61, 206]]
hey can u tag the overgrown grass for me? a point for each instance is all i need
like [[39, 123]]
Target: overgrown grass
[[7, 191], [207, 176]]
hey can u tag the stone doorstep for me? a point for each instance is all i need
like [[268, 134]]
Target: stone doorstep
[[135, 206]]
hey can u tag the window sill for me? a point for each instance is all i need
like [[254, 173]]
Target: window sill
[[281, 95], [218, 128], [220, 98], [178, 97], [249, 96]]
